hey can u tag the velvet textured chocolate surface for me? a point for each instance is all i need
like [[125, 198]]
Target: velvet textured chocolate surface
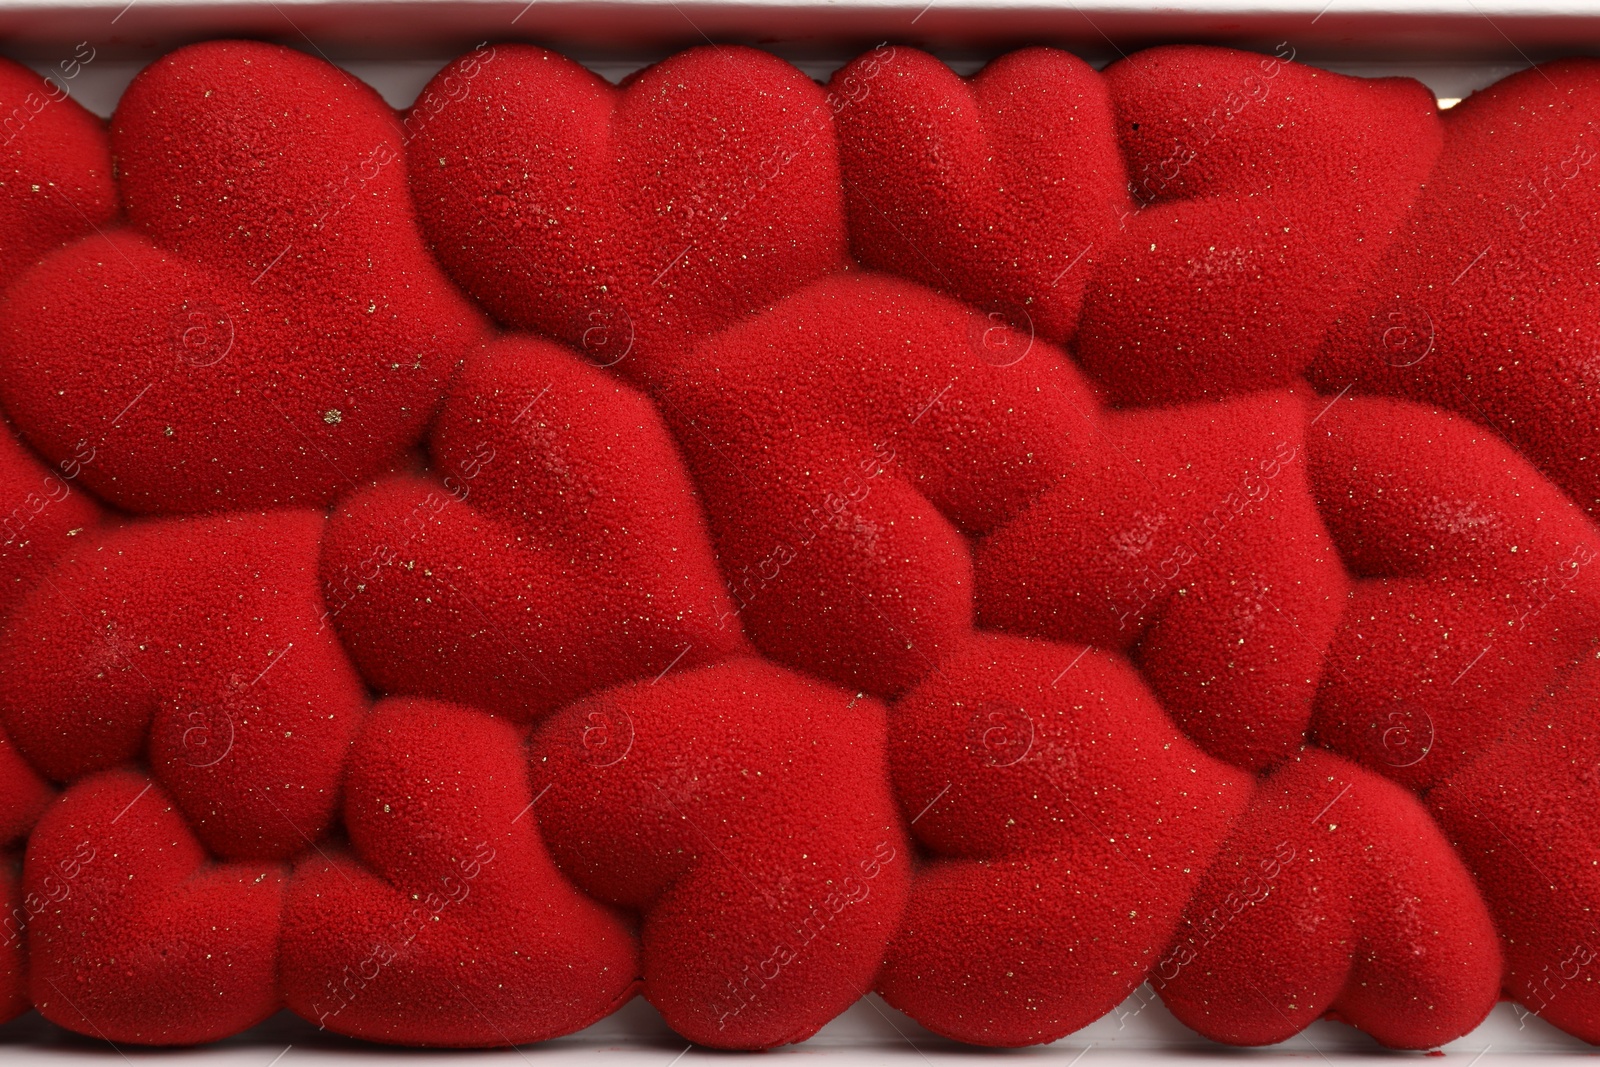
[[994, 541]]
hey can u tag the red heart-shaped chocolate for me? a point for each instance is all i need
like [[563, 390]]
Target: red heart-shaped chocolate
[[846, 441], [144, 938], [55, 164], [197, 645], [1069, 821], [745, 811], [266, 327], [1267, 190], [1484, 303], [627, 221], [1191, 542], [1523, 817], [1003, 189], [450, 926], [558, 548], [1334, 892], [1476, 583]]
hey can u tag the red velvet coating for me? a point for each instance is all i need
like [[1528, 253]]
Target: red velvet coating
[[266, 327], [55, 164], [1523, 818], [146, 940], [844, 441], [1191, 542], [557, 548], [449, 925], [1335, 891], [13, 946], [1068, 820], [1279, 700], [1477, 583], [627, 221], [197, 645], [1483, 305], [745, 811], [1267, 189], [1004, 189]]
